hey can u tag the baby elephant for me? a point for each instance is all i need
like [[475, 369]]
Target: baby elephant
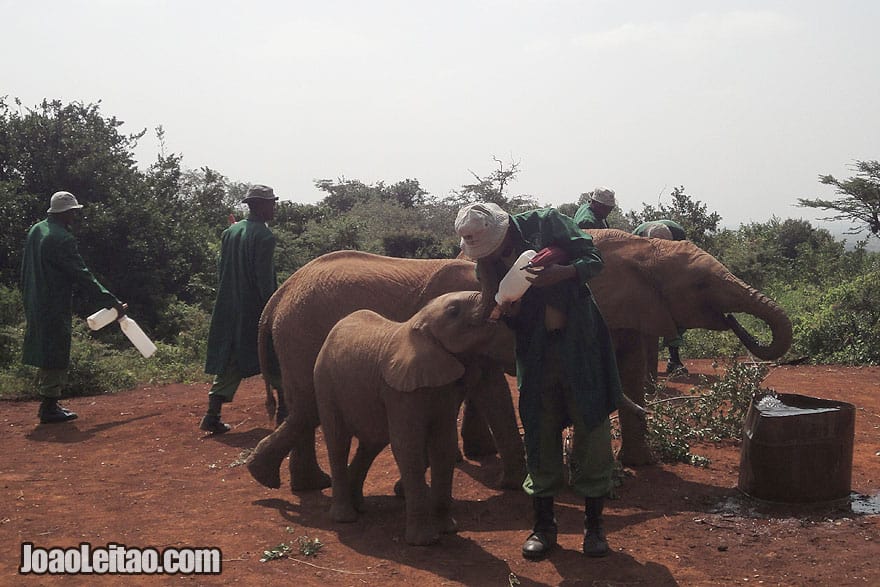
[[402, 382]]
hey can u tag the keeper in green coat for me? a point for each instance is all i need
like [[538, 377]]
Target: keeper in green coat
[[594, 213], [566, 368], [247, 281], [51, 267]]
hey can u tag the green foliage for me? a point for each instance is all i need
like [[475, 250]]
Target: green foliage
[[858, 198], [712, 411], [699, 224], [11, 325], [844, 326]]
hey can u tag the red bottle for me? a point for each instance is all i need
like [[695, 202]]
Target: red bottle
[[547, 256]]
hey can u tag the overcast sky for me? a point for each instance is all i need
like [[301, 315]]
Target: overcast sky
[[743, 103]]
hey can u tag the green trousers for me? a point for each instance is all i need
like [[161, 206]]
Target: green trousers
[[51, 382], [591, 459], [226, 384]]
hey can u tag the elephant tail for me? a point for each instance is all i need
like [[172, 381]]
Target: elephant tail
[[268, 358]]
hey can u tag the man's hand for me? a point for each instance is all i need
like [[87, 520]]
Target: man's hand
[[550, 275], [504, 309], [121, 309]]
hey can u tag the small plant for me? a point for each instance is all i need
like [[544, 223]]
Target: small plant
[[280, 551], [710, 412], [309, 546]]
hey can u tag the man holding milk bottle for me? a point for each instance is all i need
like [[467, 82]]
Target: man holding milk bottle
[[50, 267], [566, 368]]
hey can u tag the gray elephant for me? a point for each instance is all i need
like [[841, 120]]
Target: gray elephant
[[300, 314], [382, 381]]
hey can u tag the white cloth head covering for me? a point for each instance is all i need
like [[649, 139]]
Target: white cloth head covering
[[62, 202], [604, 195], [658, 230], [482, 228]]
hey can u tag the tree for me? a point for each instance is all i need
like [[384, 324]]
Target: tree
[[699, 225], [492, 189], [858, 201]]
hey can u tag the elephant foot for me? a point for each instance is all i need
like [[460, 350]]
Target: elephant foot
[[513, 478], [476, 452], [447, 524], [422, 536], [343, 513], [265, 474], [311, 482], [635, 457]]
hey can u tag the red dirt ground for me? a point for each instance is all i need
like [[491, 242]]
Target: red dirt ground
[[135, 470]]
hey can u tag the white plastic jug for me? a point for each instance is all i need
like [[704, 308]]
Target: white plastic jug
[[137, 337], [514, 284], [102, 318]]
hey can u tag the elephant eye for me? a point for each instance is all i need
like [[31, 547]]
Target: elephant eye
[[453, 311]]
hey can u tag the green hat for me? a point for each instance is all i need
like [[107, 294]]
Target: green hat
[[260, 192]]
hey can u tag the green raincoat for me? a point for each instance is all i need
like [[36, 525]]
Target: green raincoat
[[589, 359], [585, 218], [50, 268], [247, 281]]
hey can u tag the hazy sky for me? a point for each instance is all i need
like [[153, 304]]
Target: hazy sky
[[743, 103]]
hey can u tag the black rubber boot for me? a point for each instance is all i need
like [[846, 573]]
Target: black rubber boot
[[211, 422], [674, 366], [543, 537], [594, 534], [51, 413]]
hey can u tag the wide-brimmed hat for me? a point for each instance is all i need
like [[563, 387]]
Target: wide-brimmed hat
[[260, 192], [482, 228], [62, 202], [604, 196]]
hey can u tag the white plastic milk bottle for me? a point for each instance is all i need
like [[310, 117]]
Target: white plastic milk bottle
[[514, 284]]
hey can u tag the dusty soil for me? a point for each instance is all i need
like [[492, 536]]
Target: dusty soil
[[135, 470]]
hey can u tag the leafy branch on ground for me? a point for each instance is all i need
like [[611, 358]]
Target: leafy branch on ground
[[306, 546], [711, 411]]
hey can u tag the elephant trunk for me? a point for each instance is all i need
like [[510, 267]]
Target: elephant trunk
[[767, 310]]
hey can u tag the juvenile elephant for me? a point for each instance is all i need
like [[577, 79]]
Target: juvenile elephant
[[382, 381], [651, 287], [300, 314]]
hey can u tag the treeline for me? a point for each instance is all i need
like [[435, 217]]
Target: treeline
[[152, 235]]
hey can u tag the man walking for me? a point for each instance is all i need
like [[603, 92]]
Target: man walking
[[247, 281]]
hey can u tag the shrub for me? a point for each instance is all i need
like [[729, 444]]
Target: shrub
[[844, 327], [710, 412]]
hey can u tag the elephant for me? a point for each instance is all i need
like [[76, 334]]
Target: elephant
[[382, 382], [300, 314], [651, 287]]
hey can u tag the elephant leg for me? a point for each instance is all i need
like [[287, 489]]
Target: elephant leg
[[493, 401], [442, 446], [632, 355], [409, 427], [476, 439], [338, 441], [305, 473], [264, 463], [360, 465]]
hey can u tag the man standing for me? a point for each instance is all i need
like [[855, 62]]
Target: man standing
[[51, 266], [594, 213], [673, 231], [566, 368], [247, 281]]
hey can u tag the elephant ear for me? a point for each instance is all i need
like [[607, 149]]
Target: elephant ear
[[629, 289], [416, 360]]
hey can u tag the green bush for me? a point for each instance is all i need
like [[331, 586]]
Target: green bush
[[844, 325]]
